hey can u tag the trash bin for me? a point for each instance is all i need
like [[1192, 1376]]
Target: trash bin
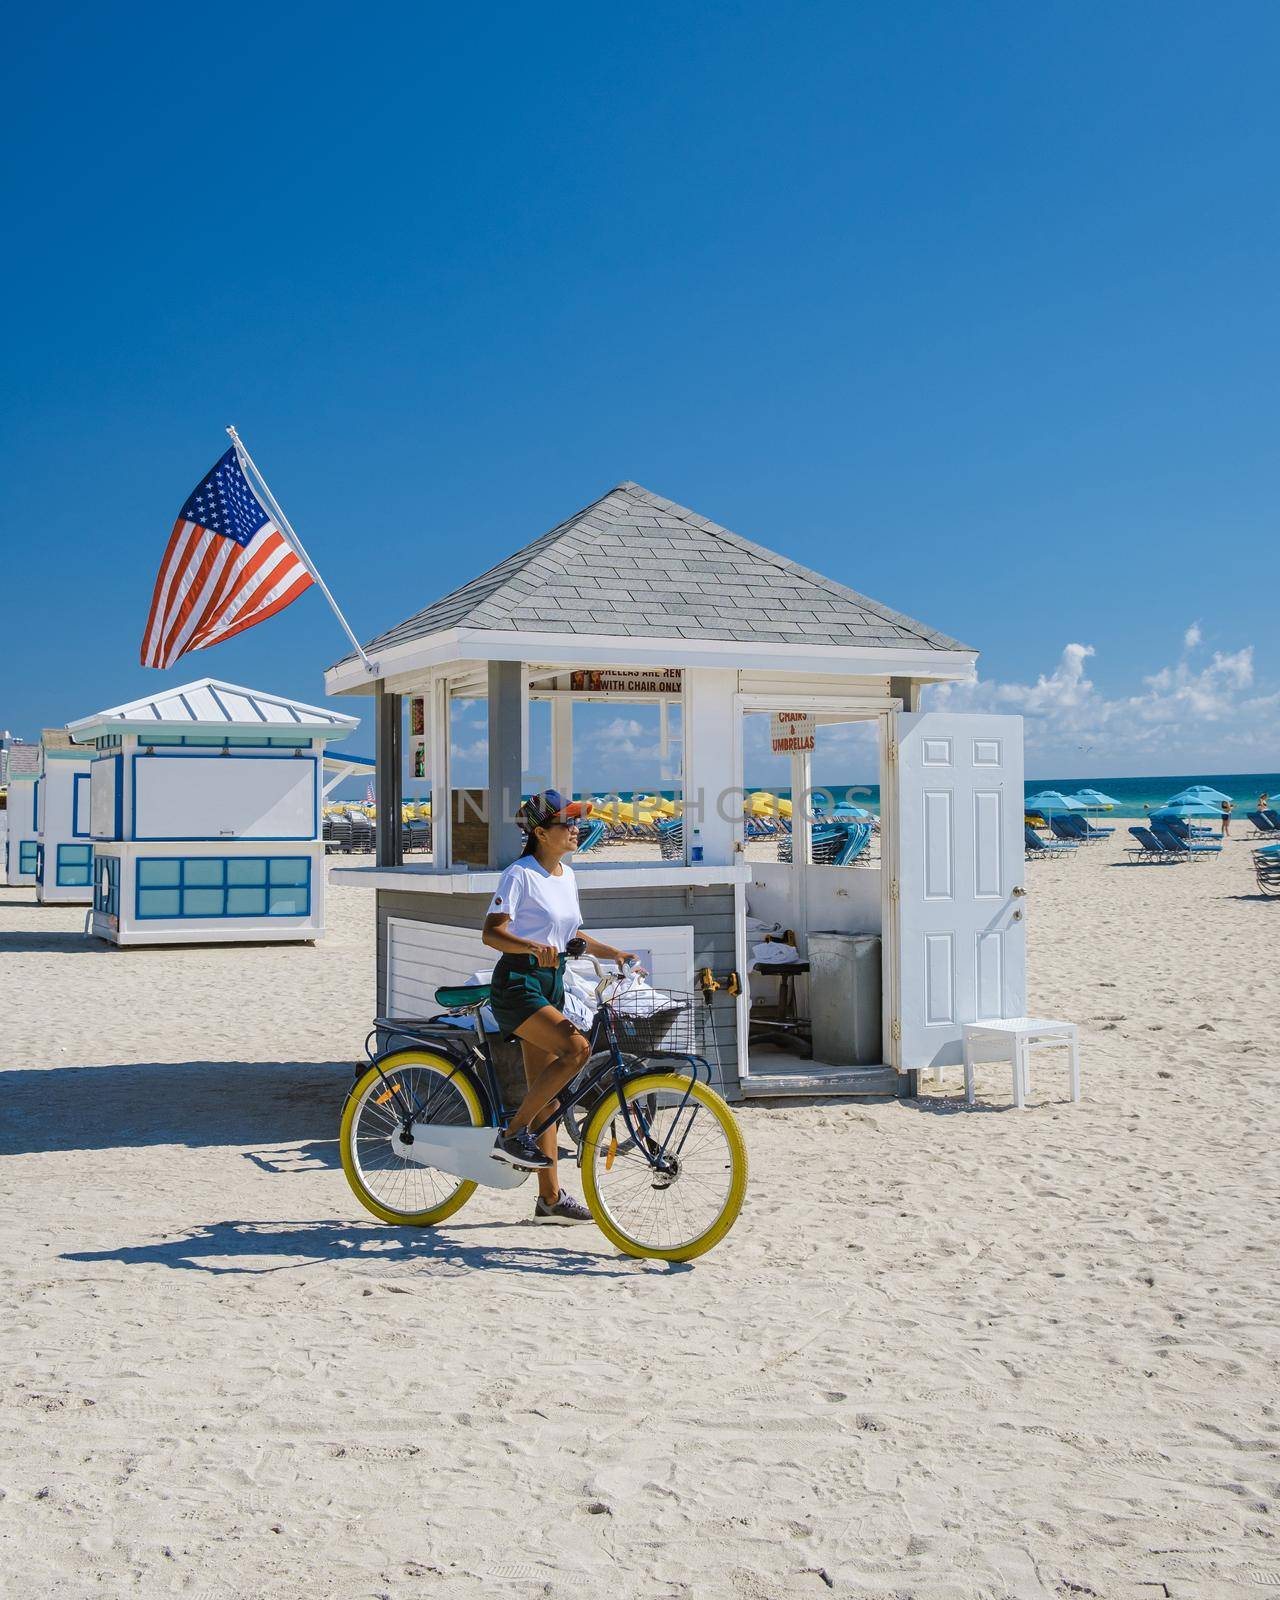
[[844, 998]]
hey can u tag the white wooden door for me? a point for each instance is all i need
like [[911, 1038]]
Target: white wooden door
[[961, 922]]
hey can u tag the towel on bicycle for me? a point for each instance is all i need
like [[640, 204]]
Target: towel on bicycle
[[634, 994]]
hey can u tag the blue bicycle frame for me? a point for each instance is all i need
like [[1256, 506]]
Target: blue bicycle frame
[[589, 1086]]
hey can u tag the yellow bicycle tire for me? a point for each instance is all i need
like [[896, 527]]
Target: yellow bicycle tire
[[391, 1064], [611, 1107]]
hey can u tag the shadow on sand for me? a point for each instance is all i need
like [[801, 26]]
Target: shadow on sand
[[951, 1105], [55, 942], [256, 1248], [193, 1103]]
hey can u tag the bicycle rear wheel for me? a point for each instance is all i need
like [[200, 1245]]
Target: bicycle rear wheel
[[392, 1188], [687, 1202]]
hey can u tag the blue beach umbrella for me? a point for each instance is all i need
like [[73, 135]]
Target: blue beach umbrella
[[1051, 802], [1186, 808], [1096, 800], [1201, 792]]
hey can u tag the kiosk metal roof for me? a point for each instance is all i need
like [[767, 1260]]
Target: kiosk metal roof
[[209, 705]]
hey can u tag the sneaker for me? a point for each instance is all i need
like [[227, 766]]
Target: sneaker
[[520, 1150], [565, 1210]]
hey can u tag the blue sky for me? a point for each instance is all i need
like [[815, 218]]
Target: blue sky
[[971, 308]]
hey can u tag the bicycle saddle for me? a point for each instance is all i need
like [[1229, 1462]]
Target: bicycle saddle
[[466, 997]]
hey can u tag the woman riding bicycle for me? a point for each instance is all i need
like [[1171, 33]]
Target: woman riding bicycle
[[531, 919]]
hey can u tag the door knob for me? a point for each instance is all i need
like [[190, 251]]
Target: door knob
[[1018, 889]]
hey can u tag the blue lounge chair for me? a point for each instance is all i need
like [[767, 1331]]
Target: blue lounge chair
[[1151, 850], [1266, 866], [1070, 830], [858, 836], [671, 839], [1082, 829], [834, 844], [1261, 823], [1037, 849], [827, 840], [1184, 829], [591, 832], [1180, 846]]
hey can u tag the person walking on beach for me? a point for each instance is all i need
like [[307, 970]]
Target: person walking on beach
[[532, 917], [1264, 802], [1226, 819]]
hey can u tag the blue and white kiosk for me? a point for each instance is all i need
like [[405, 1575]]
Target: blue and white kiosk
[[205, 805], [64, 856], [22, 833]]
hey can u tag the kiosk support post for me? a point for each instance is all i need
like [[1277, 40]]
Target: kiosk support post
[[506, 699], [389, 736]]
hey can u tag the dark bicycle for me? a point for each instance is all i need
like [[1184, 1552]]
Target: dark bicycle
[[664, 1168]]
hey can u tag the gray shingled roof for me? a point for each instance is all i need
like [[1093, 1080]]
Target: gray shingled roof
[[634, 564]]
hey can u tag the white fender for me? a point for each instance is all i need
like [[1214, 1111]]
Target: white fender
[[462, 1152]]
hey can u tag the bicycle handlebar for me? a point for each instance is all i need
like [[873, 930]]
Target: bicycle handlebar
[[624, 967]]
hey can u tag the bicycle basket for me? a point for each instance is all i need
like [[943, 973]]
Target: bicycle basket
[[658, 1022]]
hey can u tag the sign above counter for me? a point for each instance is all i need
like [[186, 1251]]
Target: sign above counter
[[791, 732], [627, 680]]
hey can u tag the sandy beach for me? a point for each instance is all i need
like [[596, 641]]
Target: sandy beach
[[944, 1354]]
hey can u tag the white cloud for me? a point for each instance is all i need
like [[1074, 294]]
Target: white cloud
[[623, 736], [1191, 710]]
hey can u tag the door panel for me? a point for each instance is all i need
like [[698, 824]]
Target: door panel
[[961, 933], [988, 879]]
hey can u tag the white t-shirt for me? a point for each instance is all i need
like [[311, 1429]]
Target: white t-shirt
[[541, 907]]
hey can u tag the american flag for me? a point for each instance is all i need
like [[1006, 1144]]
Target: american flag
[[227, 566]]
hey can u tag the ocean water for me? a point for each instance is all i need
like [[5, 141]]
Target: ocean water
[[1134, 796]]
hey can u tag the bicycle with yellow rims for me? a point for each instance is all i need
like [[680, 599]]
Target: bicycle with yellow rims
[[664, 1166]]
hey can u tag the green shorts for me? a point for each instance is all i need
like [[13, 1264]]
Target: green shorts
[[520, 987]]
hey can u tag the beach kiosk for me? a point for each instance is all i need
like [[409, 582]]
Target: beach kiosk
[[22, 836], [204, 812], [65, 854], [636, 596]]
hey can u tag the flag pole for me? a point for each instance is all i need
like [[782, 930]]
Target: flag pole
[[286, 528]]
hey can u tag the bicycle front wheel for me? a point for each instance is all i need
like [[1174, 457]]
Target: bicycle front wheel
[[673, 1188], [392, 1188]]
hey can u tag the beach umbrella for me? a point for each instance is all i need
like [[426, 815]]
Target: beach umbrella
[[1201, 792], [1186, 808], [1096, 800], [1051, 802]]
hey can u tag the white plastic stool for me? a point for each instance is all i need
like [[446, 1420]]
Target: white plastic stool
[[1017, 1035]]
